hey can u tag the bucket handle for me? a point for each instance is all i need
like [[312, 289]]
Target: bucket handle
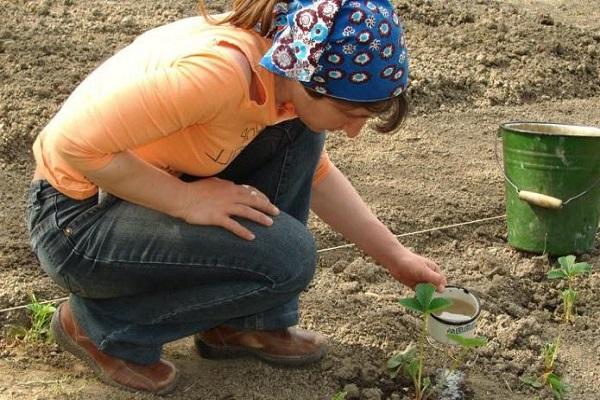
[[540, 200], [537, 199]]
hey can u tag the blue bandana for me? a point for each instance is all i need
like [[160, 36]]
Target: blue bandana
[[351, 50]]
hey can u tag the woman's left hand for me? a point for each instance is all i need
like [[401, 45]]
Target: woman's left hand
[[411, 269]]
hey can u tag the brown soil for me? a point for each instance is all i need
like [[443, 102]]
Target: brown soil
[[475, 64]]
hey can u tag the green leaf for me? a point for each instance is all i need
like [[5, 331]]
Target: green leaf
[[401, 359], [395, 362], [468, 342], [412, 304], [566, 262], [426, 384], [531, 381], [581, 268], [558, 388], [412, 368], [556, 274], [439, 304], [549, 353], [424, 295], [394, 371], [339, 396]]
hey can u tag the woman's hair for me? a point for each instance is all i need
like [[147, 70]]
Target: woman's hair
[[391, 112], [247, 14]]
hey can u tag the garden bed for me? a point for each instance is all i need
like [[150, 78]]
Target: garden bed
[[475, 65]]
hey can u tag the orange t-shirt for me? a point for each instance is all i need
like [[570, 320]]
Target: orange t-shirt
[[174, 98]]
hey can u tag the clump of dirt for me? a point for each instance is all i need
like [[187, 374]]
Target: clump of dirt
[[485, 53]]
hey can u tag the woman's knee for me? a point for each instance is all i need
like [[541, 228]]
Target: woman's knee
[[294, 260]]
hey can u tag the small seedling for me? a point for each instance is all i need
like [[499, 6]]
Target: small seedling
[[569, 270], [408, 361], [40, 315], [339, 396], [549, 377], [550, 353]]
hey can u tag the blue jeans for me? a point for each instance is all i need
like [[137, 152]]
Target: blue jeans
[[139, 278]]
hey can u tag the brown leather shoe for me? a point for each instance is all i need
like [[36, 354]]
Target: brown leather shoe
[[291, 346], [158, 378]]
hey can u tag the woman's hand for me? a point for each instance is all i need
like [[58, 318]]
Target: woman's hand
[[411, 269], [214, 201], [337, 203]]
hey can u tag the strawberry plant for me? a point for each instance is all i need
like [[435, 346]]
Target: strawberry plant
[[411, 361], [569, 270]]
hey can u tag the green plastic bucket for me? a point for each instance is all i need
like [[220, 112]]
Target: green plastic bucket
[[552, 185]]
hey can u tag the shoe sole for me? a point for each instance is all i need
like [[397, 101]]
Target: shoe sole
[[65, 342], [207, 351]]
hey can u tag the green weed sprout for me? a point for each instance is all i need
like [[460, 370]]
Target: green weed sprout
[[569, 270], [408, 361], [40, 315], [550, 353], [549, 377], [339, 396]]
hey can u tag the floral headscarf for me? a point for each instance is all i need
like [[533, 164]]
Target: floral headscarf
[[351, 50]]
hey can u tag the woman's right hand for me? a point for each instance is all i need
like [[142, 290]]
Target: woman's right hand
[[214, 201]]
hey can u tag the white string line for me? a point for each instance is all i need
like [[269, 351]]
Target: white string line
[[25, 306], [477, 221], [318, 251]]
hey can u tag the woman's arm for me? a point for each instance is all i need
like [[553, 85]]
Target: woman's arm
[[99, 137], [209, 201], [132, 179], [337, 203]]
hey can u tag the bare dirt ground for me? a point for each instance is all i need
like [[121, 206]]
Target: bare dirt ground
[[475, 64]]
